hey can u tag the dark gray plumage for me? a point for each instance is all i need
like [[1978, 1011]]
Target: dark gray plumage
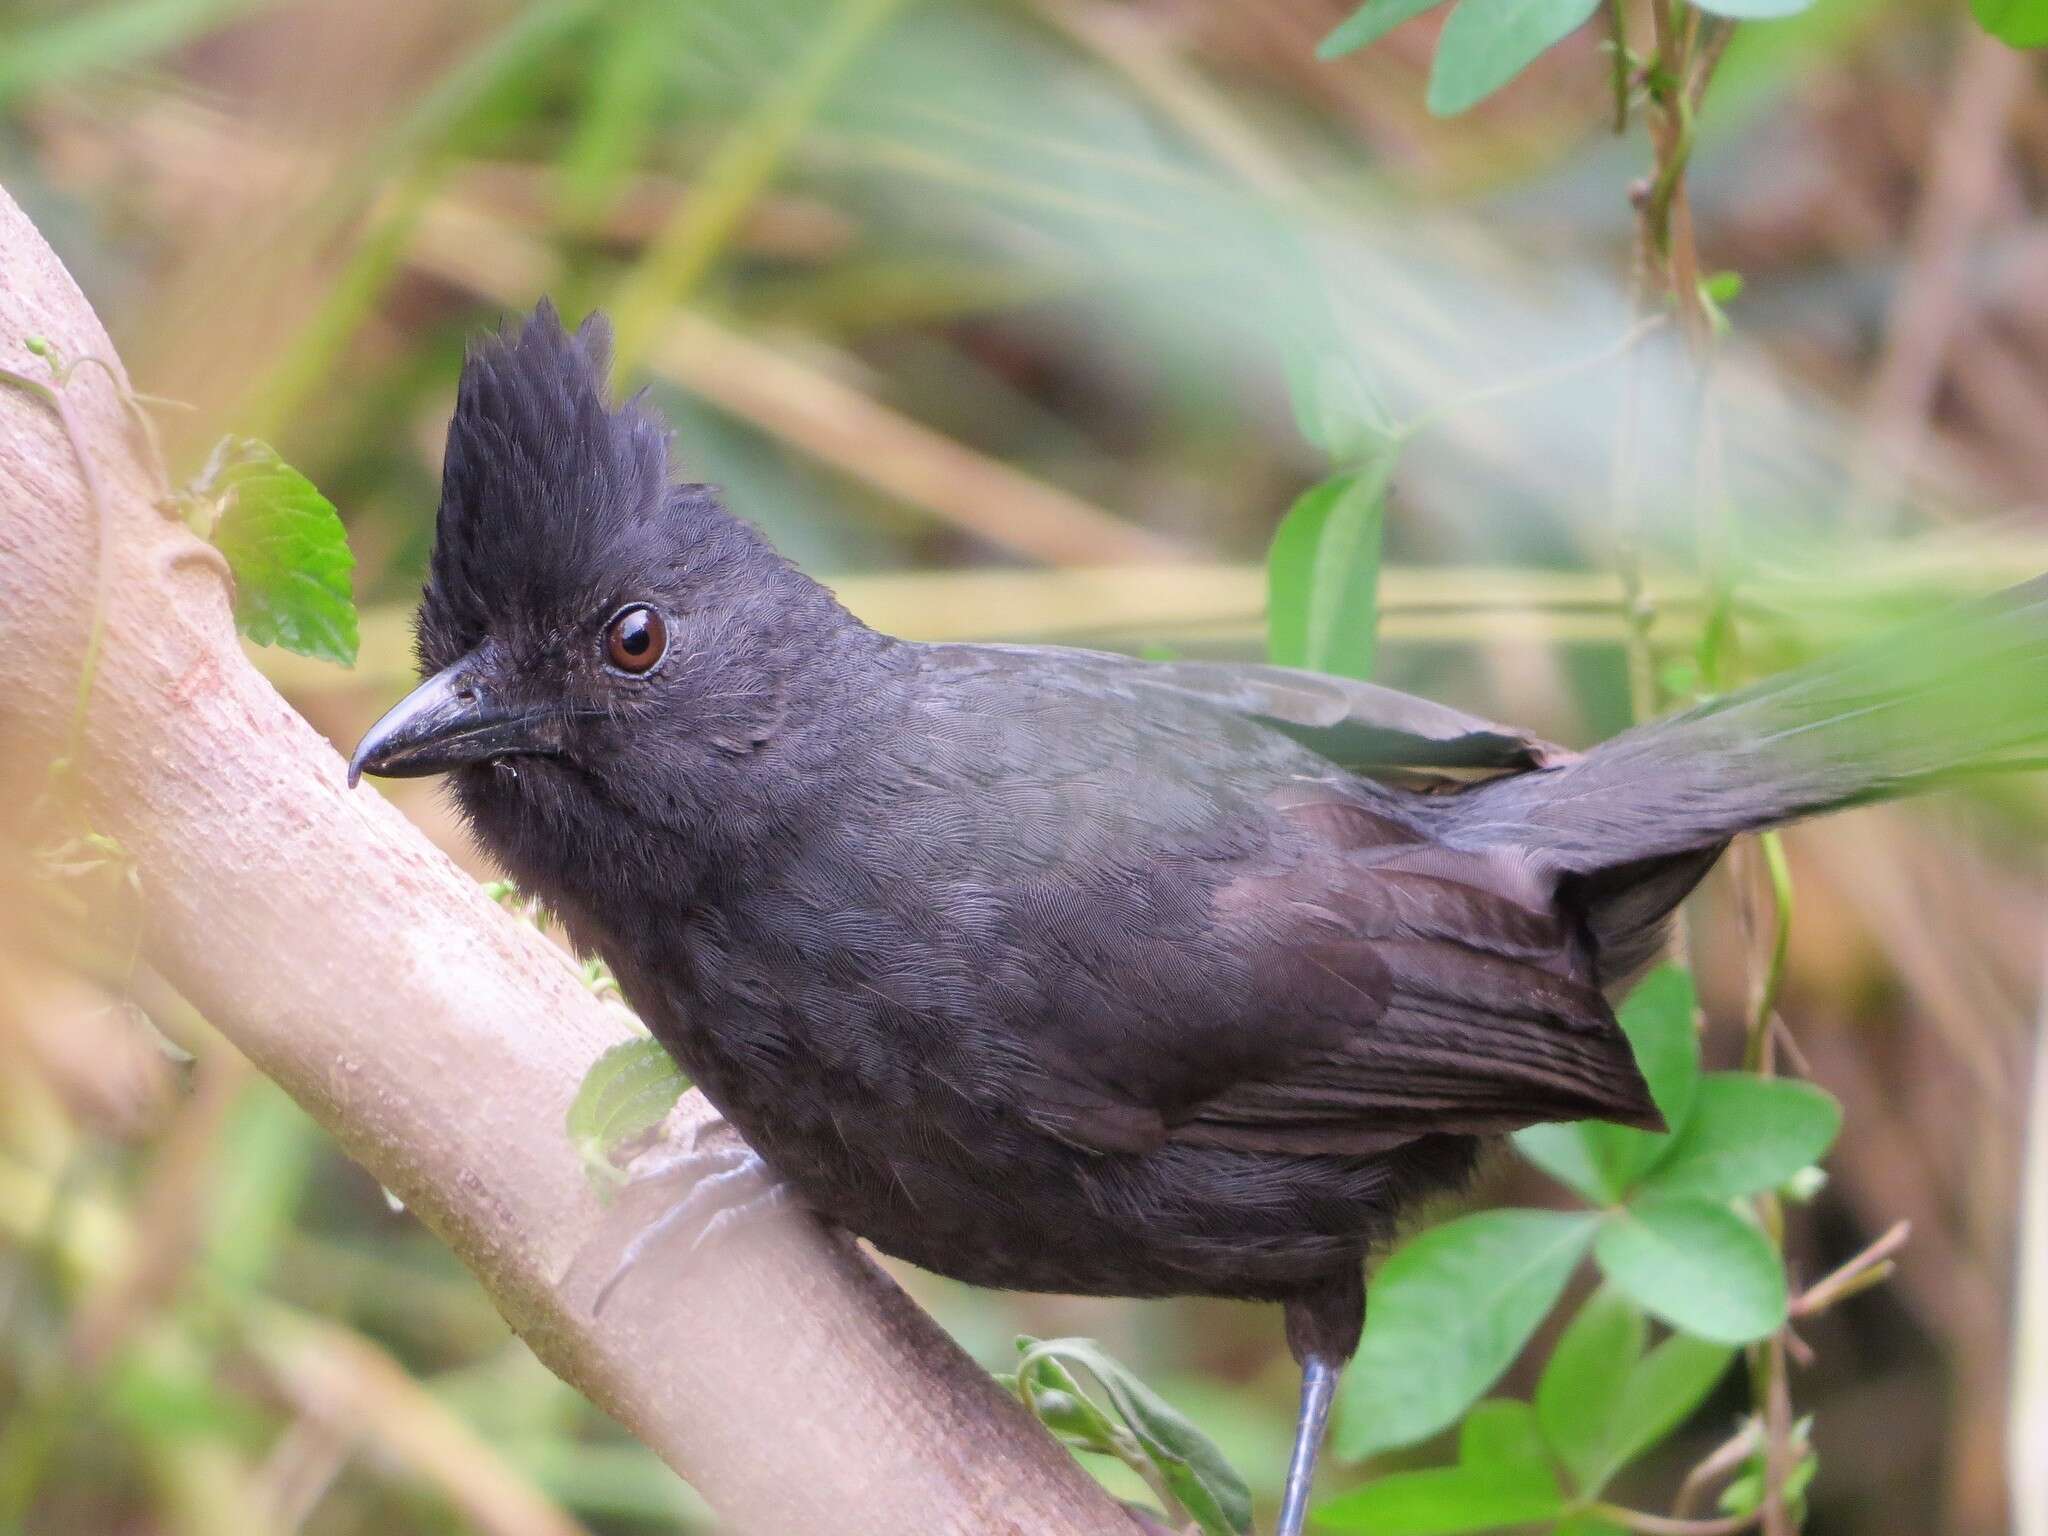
[[1057, 970]]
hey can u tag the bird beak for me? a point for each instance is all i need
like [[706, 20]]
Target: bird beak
[[452, 719]]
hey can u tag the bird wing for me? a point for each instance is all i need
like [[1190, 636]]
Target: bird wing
[[1242, 945], [1357, 725], [1393, 988]]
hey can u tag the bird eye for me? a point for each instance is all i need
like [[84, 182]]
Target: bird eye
[[635, 639]]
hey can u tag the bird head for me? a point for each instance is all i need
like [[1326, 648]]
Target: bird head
[[599, 645]]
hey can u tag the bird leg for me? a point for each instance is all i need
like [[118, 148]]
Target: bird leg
[[1318, 1384], [686, 1192], [1323, 1328]]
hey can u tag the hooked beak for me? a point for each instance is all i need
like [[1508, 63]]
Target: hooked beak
[[452, 719]]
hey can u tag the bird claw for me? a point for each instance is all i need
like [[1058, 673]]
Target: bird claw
[[687, 1190]]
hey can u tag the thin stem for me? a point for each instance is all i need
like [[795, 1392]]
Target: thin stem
[[1868, 1268], [1757, 1049], [1666, 1525], [1717, 1464], [1618, 58]]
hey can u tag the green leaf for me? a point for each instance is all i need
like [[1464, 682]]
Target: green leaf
[[1661, 1393], [1745, 1134], [1187, 1461], [287, 550], [1565, 1153], [1587, 1525], [1049, 1390], [1369, 23], [1450, 1311], [1698, 1266], [1658, 1020], [1334, 405], [627, 1092], [1754, 10], [1503, 1477], [1323, 574], [1745, 1493], [1486, 43], [1578, 1400], [2022, 23], [1501, 1432]]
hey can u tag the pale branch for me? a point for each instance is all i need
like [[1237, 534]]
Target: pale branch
[[435, 1035]]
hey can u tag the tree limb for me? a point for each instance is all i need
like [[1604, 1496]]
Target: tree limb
[[438, 1038]]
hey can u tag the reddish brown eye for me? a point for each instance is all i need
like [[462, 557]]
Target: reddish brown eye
[[635, 639]]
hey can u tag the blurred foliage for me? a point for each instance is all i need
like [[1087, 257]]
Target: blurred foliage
[[1031, 319]]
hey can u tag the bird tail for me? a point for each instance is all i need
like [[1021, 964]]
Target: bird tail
[[1638, 820]]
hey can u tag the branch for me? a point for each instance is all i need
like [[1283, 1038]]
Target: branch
[[438, 1038]]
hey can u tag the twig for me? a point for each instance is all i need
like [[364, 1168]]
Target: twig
[[1667, 1525], [1724, 1459], [1870, 1267]]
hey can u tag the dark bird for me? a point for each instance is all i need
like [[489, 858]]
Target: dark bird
[[1057, 970]]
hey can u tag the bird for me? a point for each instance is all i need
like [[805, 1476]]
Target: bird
[[1058, 970]]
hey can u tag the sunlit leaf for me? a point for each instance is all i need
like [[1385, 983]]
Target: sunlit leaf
[[1696, 1265], [1486, 43], [1323, 574], [286, 548], [1745, 1134], [2022, 23], [1450, 1311], [627, 1092]]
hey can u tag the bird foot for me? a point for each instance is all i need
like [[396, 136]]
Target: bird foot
[[683, 1194]]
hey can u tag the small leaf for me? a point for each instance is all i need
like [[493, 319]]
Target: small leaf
[[1059, 1403], [1187, 1460], [1323, 574], [1486, 43], [1503, 1477], [628, 1091], [1369, 23], [1450, 1311], [287, 550], [2022, 23], [1579, 1397], [1661, 1393], [1745, 1134], [1742, 1496], [1698, 1266]]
